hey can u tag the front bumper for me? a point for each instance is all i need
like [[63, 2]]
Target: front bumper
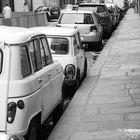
[[4, 136]]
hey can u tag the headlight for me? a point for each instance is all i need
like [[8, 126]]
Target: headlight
[[11, 111], [69, 71]]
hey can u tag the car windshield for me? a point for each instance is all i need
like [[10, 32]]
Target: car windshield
[[58, 45], [67, 7], [76, 18], [96, 8]]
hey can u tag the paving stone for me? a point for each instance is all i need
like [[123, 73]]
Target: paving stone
[[87, 127], [119, 134], [136, 102], [119, 125], [110, 100], [133, 116], [129, 86], [101, 118], [134, 91], [112, 110]]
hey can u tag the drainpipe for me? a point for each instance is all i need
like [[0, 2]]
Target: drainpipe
[[139, 6]]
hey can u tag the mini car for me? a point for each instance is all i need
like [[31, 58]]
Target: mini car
[[88, 25], [30, 83], [103, 14], [66, 47]]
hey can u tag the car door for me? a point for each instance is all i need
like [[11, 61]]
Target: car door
[[54, 72], [79, 53], [42, 73]]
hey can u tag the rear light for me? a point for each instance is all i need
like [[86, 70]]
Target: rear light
[[11, 111], [93, 28], [69, 72]]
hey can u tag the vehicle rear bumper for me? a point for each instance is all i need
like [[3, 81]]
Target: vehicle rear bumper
[[91, 37]]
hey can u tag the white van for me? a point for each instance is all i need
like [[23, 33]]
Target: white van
[[30, 83]]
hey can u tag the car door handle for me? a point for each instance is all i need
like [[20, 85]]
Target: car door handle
[[49, 75], [40, 80]]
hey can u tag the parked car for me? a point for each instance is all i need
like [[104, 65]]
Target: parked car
[[103, 14], [88, 25], [115, 13], [66, 47], [30, 82], [69, 7], [51, 12]]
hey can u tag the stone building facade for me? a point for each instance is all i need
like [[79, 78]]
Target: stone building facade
[[18, 5]]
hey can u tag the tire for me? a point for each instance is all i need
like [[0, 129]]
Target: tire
[[85, 69], [77, 83], [33, 132], [99, 44]]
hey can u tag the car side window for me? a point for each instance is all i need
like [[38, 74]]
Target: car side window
[[45, 53], [34, 49], [25, 61], [88, 19]]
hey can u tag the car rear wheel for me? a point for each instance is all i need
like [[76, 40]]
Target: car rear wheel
[[85, 69], [99, 44], [33, 131], [77, 83]]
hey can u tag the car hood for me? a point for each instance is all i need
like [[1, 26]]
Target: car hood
[[83, 28]]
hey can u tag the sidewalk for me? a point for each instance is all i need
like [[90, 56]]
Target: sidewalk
[[107, 104]]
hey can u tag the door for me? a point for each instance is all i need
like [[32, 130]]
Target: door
[[4, 86], [41, 72], [79, 53], [54, 73]]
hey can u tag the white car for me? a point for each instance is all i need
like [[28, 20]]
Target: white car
[[66, 47], [30, 83], [86, 22]]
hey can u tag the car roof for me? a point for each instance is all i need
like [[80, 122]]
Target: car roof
[[16, 35], [78, 11], [90, 4], [57, 31]]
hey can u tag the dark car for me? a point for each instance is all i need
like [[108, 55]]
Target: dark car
[[51, 12], [103, 14]]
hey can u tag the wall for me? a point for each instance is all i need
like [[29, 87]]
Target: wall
[[37, 3], [19, 5]]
